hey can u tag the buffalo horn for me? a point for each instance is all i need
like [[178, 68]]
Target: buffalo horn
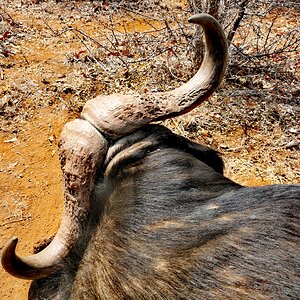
[[117, 114]]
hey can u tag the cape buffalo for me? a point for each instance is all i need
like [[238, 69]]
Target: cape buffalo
[[149, 215]]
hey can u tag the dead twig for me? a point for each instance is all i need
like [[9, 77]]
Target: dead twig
[[50, 28], [15, 221], [1, 73]]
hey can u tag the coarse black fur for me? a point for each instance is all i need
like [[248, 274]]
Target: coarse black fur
[[166, 224]]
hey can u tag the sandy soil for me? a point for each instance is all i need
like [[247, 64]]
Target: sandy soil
[[31, 202]]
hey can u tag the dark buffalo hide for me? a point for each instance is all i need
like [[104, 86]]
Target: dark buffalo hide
[[166, 224]]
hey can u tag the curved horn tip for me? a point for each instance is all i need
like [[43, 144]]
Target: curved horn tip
[[8, 253], [195, 19]]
